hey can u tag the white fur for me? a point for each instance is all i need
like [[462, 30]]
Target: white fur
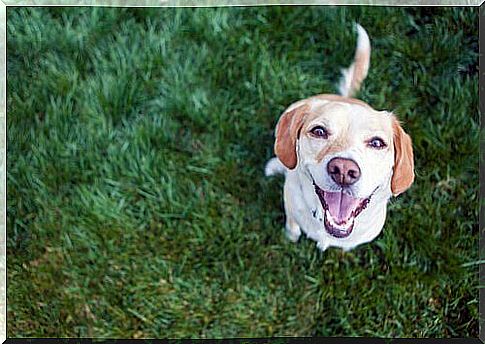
[[348, 74], [301, 202], [354, 123], [273, 167]]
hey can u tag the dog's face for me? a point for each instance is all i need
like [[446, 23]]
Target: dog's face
[[354, 156]]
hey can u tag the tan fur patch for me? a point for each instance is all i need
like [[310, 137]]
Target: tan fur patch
[[360, 71], [335, 147], [338, 98], [287, 130], [403, 175]]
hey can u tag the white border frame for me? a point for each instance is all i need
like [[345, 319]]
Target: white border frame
[[133, 3]]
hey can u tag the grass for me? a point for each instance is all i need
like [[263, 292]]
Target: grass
[[137, 205]]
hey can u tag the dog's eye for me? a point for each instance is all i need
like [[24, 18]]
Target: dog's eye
[[319, 132], [377, 143]]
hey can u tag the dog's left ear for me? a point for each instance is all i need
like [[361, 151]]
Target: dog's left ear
[[403, 175], [287, 131]]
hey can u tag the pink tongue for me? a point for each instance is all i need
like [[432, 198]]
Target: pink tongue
[[340, 205]]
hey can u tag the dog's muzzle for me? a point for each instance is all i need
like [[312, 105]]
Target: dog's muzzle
[[340, 210]]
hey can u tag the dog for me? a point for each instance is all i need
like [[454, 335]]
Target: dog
[[342, 162]]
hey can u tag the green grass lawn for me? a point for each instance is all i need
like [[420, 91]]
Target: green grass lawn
[[137, 202]]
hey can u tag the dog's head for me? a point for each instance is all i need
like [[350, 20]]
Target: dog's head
[[355, 157]]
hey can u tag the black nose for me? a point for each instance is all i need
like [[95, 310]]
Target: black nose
[[344, 172]]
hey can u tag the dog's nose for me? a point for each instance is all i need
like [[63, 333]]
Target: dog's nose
[[343, 171]]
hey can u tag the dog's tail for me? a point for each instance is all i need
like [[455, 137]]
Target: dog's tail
[[274, 166], [353, 76]]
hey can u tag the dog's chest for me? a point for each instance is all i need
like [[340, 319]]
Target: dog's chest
[[304, 204]]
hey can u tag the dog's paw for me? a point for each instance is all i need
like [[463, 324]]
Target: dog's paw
[[292, 231], [322, 246], [292, 236]]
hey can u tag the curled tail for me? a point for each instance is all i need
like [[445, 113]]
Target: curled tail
[[353, 76]]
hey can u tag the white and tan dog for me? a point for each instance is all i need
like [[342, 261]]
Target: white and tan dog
[[343, 161]]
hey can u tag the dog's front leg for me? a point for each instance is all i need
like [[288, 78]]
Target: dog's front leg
[[292, 228]]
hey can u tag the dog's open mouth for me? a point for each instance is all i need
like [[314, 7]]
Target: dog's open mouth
[[340, 211]]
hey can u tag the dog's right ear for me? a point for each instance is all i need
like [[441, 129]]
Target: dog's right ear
[[287, 132]]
